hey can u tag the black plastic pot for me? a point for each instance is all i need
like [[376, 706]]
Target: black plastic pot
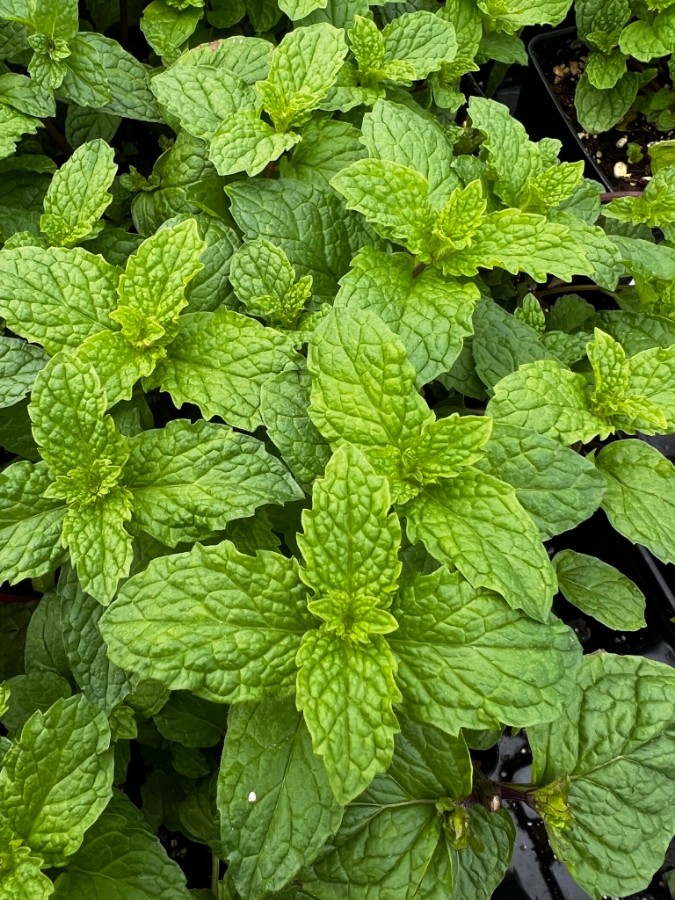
[[541, 112], [535, 873]]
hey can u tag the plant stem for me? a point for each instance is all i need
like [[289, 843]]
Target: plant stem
[[419, 268], [612, 195], [57, 138], [215, 874], [573, 289]]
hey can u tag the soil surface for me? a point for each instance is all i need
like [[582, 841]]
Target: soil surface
[[563, 64]]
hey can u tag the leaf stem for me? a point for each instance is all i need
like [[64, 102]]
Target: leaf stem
[[57, 138], [215, 873], [419, 268], [573, 289]]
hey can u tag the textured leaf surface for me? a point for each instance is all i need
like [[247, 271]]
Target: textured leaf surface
[[413, 308], [119, 858], [244, 143], [85, 178], [56, 778], [219, 362], [56, 297], [276, 805], [639, 498], [556, 486], [549, 399], [30, 535], [600, 590], [467, 660], [223, 625], [605, 765], [190, 480], [19, 364], [346, 691], [475, 522]]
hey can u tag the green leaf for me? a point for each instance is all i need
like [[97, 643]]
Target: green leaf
[[466, 660], [406, 136], [502, 343], [641, 40], [319, 237], [118, 362], [56, 297], [21, 877], [19, 364], [639, 495], [30, 537], [188, 480], [152, 287], [415, 44], [363, 386], [200, 96], [284, 402], [85, 81], [599, 110], [520, 242], [244, 143], [389, 834], [327, 147], [276, 805], [600, 590], [121, 857], [220, 362], [101, 681], [350, 540], [346, 691], [556, 486], [87, 176], [606, 792], [392, 197], [56, 778], [304, 68], [77, 440], [100, 547], [412, 307], [13, 126], [213, 621], [549, 399], [128, 80], [29, 693], [298, 9], [191, 721], [264, 280], [475, 522], [603, 70], [166, 28]]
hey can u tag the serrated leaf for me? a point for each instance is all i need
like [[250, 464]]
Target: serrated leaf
[[467, 660], [189, 480], [276, 805], [556, 486], [346, 691], [549, 399], [319, 237], [56, 778], [120, 856], [118, 362], [350, 540], [327, 147], [607, 792], [363, 387], [166, 28], [284, 402], [220, 361], [244, 143], [87, 175], [304, 68], [412, 307], [603, 70], [154, 281], [392, 197], [239, 618], [100, 547], [85, 81], [403, 135], [419, 40], [191, 721], [638, 498], [475, 522], [29, 693], [56, 297], [599, 110], [21, 877], [19, 364], [600, 590]]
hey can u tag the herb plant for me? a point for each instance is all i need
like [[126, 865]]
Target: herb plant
[[629, 66], [294, 410]]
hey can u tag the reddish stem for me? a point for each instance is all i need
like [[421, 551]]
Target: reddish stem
[[612, 195]]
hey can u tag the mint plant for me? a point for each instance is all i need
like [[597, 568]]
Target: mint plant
[[628, 70], [299, 390]]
